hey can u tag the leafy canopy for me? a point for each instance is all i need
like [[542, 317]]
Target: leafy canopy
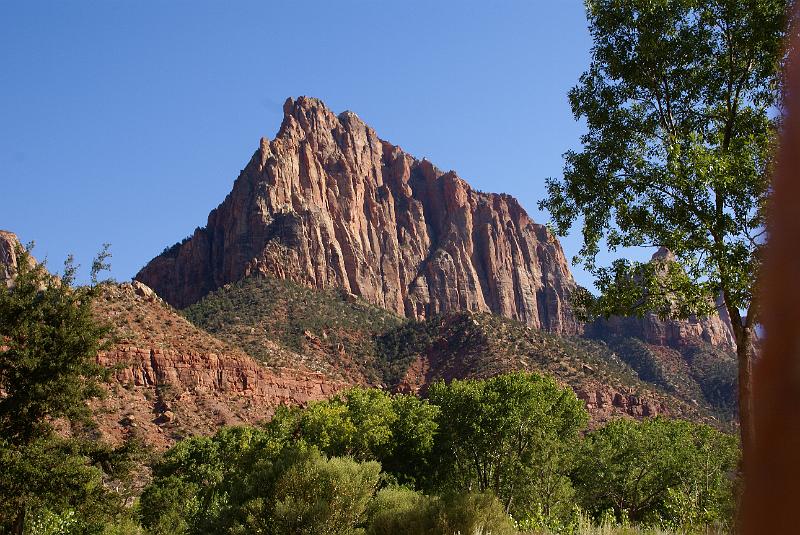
[[680, 104], [658, 469], [509, 435], [48, 343]]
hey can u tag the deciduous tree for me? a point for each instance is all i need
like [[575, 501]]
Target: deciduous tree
[[681, 103]]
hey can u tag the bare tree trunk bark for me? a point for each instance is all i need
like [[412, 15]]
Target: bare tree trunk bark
[[744, 354], [19, 522]]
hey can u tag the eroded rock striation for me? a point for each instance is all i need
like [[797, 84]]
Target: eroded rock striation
[[8, 256], [327, 203]]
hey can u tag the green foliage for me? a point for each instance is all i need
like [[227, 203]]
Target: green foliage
[[193, 481], [658, 469], [488, 453], [239, 481], [510, 435], [478, 513], [255, 309], [306, 493], [47, 366], [701, 374], [402, 511], [679, 102], [52, 482], [366, 424]]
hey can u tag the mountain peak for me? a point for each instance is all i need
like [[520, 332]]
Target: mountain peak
[[328, 203], [663, 255]]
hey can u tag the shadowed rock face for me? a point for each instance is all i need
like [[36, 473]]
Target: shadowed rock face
[[327, 203]]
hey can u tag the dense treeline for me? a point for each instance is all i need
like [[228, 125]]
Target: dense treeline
[[495, 455]]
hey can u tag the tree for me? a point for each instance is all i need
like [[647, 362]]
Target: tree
[[508, 435], [49, 339], [658, 469], [679, 101], [366, 424], [194, 480], [242, 481]]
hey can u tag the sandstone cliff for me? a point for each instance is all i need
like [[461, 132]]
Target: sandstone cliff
[[327, 203], [172, 379], [8, 256], [715, 330]]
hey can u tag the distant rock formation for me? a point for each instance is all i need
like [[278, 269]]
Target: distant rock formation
[[327, 203], [8, 256], [715, 330]]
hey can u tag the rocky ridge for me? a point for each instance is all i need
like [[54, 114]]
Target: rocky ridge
[[8, 256], [327, 203], [171, 379]]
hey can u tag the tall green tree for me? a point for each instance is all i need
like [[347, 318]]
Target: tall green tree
[[368, 425], [658, 470], [509, 435], [48, 343], [680, 102]]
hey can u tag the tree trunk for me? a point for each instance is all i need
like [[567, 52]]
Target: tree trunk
[[744, 354], [19, 522]]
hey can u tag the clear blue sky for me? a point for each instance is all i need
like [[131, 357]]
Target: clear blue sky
[[128, 121]]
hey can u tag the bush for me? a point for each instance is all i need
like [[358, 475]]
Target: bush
[[401, 511], [305, 492]]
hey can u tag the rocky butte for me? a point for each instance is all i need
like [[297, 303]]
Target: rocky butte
[[328, 203]]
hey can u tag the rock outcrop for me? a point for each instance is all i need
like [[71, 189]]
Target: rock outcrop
[[8, 256], [715, 330], [327, 203], [162, 395], [171, 379]]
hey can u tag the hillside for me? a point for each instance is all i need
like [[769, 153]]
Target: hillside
[[171, 379], [327, 331], [336, 332]]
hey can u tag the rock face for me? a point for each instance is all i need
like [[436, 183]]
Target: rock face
[[327, 203], [162, 394], [8, 256], [715, 330], [172, 379]]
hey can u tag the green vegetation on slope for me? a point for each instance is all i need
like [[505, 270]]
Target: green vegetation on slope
[[336, 332], [282, 323], [702, 373]]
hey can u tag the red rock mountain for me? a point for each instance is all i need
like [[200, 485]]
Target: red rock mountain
[[172, 379], [327, 203]]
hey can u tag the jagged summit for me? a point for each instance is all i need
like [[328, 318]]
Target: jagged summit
[[663, 255], [327, 203]]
